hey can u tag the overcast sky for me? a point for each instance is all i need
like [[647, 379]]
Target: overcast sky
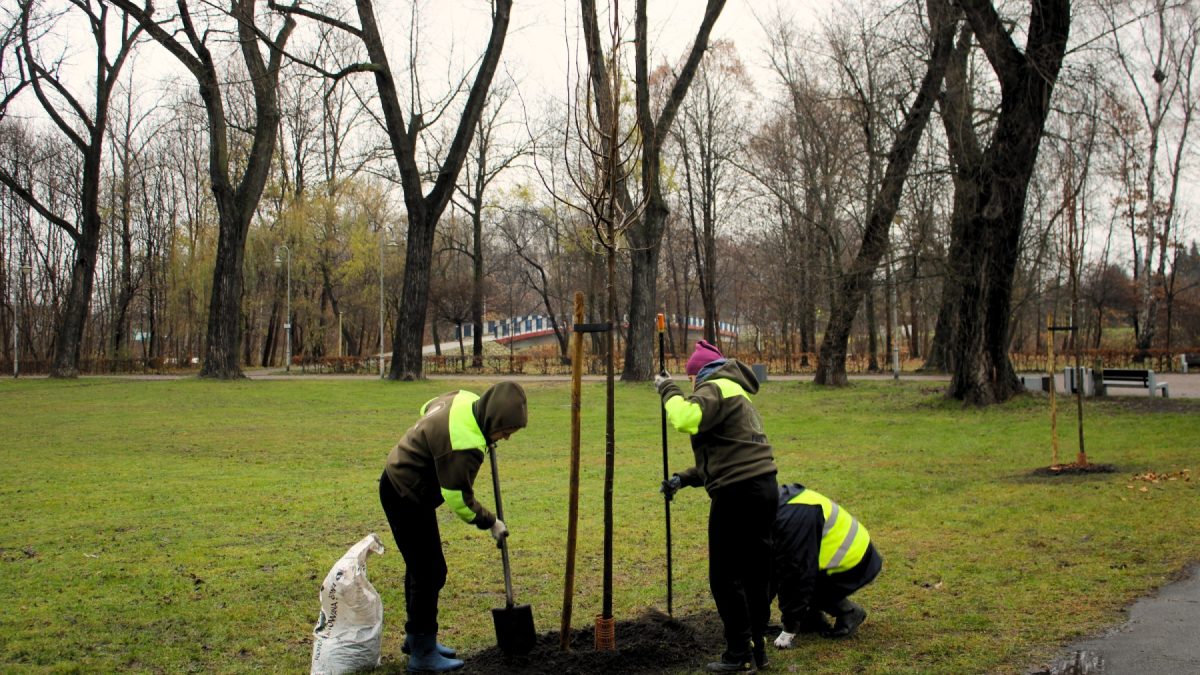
[[539, 47]]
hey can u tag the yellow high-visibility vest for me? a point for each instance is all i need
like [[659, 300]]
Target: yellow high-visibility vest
[[843, 540]]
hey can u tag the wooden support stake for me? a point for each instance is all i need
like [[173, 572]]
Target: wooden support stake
[[573, 501]]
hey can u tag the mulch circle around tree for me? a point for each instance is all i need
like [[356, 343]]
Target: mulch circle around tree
[[1074, 469], [651, 643]]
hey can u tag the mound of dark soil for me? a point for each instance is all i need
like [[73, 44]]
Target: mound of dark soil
[[1074, 469], [652, 643]]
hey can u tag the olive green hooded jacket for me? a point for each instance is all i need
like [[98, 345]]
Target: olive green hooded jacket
[[727, 432], [438, 458]]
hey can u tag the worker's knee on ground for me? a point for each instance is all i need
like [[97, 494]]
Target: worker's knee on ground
[[812, 621]]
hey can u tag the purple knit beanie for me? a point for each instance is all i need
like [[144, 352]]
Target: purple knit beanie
[[704, 354]]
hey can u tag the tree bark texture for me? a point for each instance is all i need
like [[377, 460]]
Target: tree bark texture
[[983, 373], [236, 204], [831, 359], [966, 157]]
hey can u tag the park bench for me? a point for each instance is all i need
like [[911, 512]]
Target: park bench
[[1134, 378], [1188, 361]]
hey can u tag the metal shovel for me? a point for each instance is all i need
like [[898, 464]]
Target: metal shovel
[[515, 634]]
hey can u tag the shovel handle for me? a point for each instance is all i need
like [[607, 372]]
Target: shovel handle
[[508, 594]]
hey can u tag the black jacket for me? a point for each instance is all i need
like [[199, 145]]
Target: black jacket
[[798, 578]]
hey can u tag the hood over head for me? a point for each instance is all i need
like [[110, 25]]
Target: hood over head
[[737, 371], [502, 406]]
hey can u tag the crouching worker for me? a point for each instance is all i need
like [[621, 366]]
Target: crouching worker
[[822, 556], [436, 461]]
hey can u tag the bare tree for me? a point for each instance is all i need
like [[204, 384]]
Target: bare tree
[[831, 364], [538, 238], [646, 234], [1161, 79], [236, 198], [966, 160], [983, 373], [490, 156], [807, 159], [84, 124], [708, 137], [128, 222], [645, 237], [403, 130]]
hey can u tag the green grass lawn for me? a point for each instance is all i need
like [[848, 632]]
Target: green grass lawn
[[170, 526]]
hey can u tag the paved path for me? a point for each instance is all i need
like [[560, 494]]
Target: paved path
[[1181, 386], [1159, 637]]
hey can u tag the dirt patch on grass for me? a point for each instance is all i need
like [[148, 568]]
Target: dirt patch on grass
[[1074, 469], [651, 643]]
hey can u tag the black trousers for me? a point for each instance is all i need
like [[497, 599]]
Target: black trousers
[[415, 530], [740, 522]]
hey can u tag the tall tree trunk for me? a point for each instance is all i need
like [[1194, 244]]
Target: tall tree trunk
[[983, 373], [966, 156], [72, 319], [831, 362], [424, 211], [643, 259], [646, 235], [872, 332], [268, 346], [235, 202], [223, 338], [409, 336]]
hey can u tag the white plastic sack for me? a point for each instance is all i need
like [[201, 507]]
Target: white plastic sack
[[349, 633]]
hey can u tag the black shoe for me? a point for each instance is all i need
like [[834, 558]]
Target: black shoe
[[849, 617], [744, 664]]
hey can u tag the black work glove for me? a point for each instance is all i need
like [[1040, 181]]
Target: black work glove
[[670, 486]]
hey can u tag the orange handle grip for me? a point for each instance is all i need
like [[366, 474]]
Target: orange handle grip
[[662, 323]]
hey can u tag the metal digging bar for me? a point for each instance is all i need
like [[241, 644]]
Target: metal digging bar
[[662, 367]]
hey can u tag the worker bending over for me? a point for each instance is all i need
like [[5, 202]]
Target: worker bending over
[[822, 556]]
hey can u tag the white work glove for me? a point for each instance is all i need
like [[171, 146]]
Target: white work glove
[[785, 640], [660, 379], [498, 531]]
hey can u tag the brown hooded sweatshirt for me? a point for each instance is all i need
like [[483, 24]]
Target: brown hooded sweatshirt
[[438, 458], [727, 432]]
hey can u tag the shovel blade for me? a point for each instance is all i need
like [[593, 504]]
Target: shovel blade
[[515, 634]]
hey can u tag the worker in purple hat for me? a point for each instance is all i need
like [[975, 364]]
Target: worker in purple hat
[[736, 465]]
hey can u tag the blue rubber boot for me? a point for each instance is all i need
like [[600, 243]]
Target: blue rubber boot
[[425, 657], [448, 652]]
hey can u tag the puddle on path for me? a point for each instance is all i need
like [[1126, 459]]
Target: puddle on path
[[1080, 662]]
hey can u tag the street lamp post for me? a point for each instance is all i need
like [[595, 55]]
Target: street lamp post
[[22, 270], [287, 326]]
